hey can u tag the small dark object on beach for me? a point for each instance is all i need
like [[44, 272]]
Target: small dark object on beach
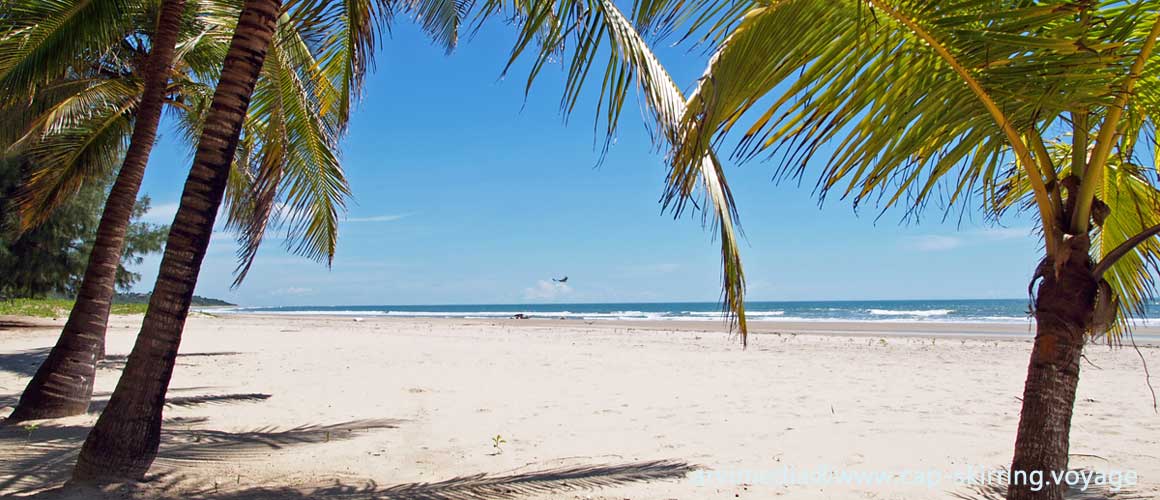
[[520, 316]]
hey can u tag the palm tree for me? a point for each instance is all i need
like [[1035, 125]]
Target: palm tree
[[918, 100], [123, 443], [124, 440], [77, 124], [63, 384]]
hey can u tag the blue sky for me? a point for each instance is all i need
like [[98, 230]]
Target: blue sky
[[466, 192]]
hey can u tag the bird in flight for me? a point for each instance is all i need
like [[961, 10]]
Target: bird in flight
[[561, 280]]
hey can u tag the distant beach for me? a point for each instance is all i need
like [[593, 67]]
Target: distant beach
[[889, 317], [971, 311]]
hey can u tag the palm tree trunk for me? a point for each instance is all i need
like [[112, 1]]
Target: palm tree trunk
[[123, 443], [63, 385], [1063, 314]]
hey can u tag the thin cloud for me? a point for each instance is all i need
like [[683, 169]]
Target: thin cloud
[[934, 243], [379, 218], [942, 242], [1006, 233], [293, 291]]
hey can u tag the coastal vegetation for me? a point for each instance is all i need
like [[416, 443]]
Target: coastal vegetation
[[59, 307], [87, 115], [50, 258], [55, 308]]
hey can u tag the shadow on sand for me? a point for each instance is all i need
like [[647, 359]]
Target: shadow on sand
[[117, 361], [25, 363], [553, 482], [20, 324], [1093, 492], [43, 456], [101, 400], [191, 401]]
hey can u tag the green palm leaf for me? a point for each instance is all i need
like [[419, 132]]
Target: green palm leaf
[[39, 38], [585, 29]]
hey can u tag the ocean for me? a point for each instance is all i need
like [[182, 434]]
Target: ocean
[[958, 311]]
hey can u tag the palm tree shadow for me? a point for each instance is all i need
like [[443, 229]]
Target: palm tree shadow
[[23, 363], [191, 401], [19, 324], [117, 361], [553, 482], [9, 400], [1093, 492], [42, 457]]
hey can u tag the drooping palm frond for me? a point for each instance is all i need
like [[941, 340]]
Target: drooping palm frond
[[78, 139], [67, 114], [342, 35], [898, 100], [441, 19], [289, 173], [703, 21], [41, 39], [589, 30], [904, 101]]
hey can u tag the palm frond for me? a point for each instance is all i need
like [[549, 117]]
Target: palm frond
[[42, 41], [1110, 132], [78, 149], [293, 177], [894, 115], [589, 29], [61, 106], [441, 19]]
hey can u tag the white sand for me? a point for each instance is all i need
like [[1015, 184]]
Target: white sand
[[388, 406]]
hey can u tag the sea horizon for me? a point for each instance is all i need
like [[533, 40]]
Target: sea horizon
[[912, 310]]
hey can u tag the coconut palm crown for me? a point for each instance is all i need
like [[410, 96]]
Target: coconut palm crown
[[1048, 107]]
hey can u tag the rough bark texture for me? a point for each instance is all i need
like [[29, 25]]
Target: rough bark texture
[[123, 443], [63, 385], [1063, 314]]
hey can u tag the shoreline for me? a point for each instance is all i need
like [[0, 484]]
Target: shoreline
[[1023, 332]]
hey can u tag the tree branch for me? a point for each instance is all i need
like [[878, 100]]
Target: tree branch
[[1122, 249]]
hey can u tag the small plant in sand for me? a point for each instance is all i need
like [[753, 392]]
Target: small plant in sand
[[30, 428], [496, 442]]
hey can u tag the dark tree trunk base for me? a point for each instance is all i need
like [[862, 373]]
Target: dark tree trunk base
[[1063, 313], [63, 385]]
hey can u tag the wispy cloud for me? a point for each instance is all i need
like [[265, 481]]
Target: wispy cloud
[[379, 218], [1006, 233], [546, 290], [944, 242], [293, 291], [933, 243]]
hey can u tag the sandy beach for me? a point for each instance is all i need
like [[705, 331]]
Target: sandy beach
[[334, 407]]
